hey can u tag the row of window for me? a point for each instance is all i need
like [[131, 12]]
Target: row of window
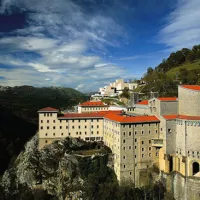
[[67, 127], [73, 120], [77, 133]]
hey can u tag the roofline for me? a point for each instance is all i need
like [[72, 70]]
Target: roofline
[[182, 86], [42, 111]]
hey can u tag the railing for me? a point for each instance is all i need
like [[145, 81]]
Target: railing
[[157, 142]]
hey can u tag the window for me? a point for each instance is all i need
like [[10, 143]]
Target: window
[[135, 132], [61, 133], [91, 132], [124, 166], [142, 132], [45, 114], [66, 120], [79, 127], [149, 141], [161, 129], [149, 124], [54, 134], [142, 125], [149, 154], [69, 134], [79, 120], [142, 142], [41, 127], [54, 127], [66, 127], [41, 121], [142, 155], [124, 157], [136, 140], [72, 120], [129, 125], [46, 134], [124, 148], [169, 130], [91, 120], [130, 173], [47, 127], [92, 126], [46, 141], [135, 125], [129, 133], [124, 141], [76, 133], [97, 132], [149, 131], [97, 126], [142, 149], [124, 133], [85, 133], [85, 120], [47, 121], [79, 133], [156, 131], [85, 126], [129, 147], [60, 127], [149, 148], [135, 156], [51, 114], [156, 154], [54, 121], [73, 127], [135, 147], [97, 120]]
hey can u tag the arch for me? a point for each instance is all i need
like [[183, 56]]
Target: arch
[[195, 168]]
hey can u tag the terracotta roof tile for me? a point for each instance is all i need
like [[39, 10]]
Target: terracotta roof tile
[[131, 119], [192, 87], [144, 102], [175, 116], [167, 98], [48, 109]]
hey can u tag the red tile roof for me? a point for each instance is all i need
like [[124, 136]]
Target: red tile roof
[[144, 102], [188, 117], [167, 98], [100, 114], [131, 119], [48, 109], [92, 103], [192, 87], [168, 117]]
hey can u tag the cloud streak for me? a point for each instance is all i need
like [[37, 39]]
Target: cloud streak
[[182, 28]]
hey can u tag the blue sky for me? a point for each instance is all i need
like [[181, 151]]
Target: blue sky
[[85, 44]]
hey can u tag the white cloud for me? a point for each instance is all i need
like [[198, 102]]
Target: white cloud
[[69, 43], [183, 27]]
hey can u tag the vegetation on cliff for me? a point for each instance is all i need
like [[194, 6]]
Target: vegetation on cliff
[[18, 115], [65, 169], [181, 67]]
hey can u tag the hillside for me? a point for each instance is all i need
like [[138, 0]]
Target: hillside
[[181, 67], [18, 115], [24, 101]]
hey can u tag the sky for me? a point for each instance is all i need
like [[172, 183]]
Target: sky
[[86, 44]]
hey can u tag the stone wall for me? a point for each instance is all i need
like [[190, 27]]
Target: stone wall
[[181, 187]]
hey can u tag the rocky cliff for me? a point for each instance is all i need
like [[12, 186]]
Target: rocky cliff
[[65, 169]]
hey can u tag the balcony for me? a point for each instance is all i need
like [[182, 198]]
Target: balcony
[[157, 142]]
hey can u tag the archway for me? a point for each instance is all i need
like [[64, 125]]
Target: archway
[[195, 168]]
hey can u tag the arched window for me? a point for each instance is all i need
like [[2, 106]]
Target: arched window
[[195, 168]]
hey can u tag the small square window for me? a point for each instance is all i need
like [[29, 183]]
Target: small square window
[[149, 141], [54, 121], [61, 133], [47, 121], [66, 127], [73, 127], [136, 140], [41, 127], [135, 147], [54, 134], [129, 133], [124, 141], [60, 127], [46, 134], [41, 121], [46, 141], [47, 127], [142, 142], [54, 127]]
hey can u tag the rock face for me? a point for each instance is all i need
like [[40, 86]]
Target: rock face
[[60, 170]]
